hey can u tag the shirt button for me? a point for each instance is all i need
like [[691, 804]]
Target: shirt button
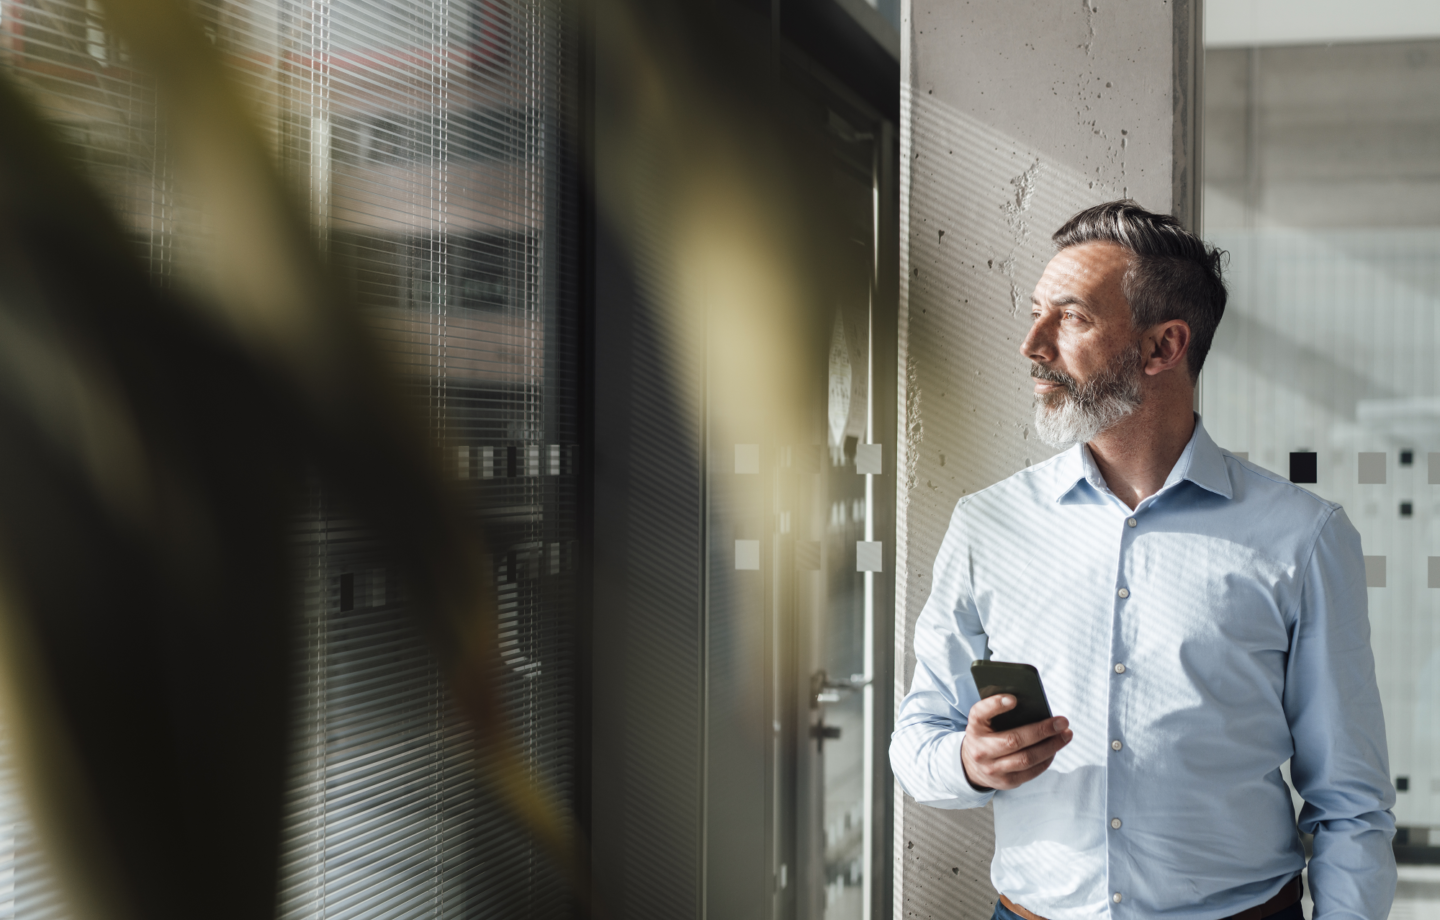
[[1115, 897], [1116, 745], [1124, 592], [1115, 823], [1119, 669], [1131, 522]]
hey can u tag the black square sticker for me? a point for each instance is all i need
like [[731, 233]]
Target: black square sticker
[[1303, 467]]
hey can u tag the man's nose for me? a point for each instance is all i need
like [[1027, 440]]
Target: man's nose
[[1039, 344]]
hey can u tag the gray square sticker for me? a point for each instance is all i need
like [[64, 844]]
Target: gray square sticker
[[1374, 571], [867, 458], [1372, 468], [869, 556], [747, 555]]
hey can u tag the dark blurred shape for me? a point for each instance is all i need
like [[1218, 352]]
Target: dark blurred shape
[[141, 449], [154, 448]]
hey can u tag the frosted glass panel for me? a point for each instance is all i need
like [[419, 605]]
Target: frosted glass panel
[[1317, 185]]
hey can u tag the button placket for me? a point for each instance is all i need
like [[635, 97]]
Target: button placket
[[1117, 770]]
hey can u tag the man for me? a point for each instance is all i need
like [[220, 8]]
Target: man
[[1197, 621]]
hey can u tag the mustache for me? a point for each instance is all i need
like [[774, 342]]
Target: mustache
[[1051, 375]]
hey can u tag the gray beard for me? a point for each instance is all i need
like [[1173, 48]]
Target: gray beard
[[1081, 411]]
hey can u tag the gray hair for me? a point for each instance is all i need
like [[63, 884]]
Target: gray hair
[[1174, 274]]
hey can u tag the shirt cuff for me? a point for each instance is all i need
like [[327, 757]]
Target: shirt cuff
[[948, 777]]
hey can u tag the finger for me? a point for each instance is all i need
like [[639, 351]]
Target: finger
[[1035, 732], [990, 707], [1024, 760], [1012, 780], [998, 744], [1025, 776]]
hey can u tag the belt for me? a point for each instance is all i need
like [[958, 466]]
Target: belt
[[1287, 896]]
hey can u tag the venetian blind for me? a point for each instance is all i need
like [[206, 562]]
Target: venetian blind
[[432, 139]]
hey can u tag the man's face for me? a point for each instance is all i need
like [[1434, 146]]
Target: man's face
[[1083, 346]]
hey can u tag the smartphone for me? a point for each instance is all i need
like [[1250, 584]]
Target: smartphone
[[1021, 681]]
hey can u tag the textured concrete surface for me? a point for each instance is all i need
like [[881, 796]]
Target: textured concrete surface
[[1014, 115]]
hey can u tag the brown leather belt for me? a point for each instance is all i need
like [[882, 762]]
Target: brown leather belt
[[1284, 898]]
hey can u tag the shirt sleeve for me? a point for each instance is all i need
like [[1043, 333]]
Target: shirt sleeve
[[925, 748], [1341, 764]]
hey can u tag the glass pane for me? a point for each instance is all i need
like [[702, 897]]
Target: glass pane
[[1320, 181], [842, 629], [794, 565], [845, 639]]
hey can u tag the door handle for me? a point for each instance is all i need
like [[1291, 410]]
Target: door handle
[[825, 689], [820, 731]]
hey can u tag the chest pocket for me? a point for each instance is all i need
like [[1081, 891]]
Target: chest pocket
[[1208, 615]]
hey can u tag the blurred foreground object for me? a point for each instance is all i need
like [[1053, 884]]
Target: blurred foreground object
[[155, 446]]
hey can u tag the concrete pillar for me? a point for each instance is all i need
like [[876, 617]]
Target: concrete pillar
[[1015, 114]]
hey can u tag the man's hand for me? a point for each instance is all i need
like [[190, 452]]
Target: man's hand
[[1004, 760]]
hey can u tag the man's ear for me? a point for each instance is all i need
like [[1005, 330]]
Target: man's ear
[[1167, 345]]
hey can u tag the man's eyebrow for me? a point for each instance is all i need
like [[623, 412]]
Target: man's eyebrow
[[1060, 301]]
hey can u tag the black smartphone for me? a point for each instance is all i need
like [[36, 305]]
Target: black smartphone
[[1021, 681]]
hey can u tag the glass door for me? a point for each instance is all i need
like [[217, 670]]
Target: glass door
[[842, 563], [797, 505]]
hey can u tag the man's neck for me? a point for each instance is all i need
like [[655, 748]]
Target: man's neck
[[1136, 455]]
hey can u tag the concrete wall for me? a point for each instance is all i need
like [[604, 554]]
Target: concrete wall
[[1014, 115]]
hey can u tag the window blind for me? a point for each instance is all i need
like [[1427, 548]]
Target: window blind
[[27, 889], [431, 139]]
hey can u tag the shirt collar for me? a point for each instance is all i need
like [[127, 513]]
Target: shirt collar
[[1202, 462]]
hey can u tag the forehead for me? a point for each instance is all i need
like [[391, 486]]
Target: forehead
[[1087, 272]]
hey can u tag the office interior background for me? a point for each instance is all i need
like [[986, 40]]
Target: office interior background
[[711, 310]]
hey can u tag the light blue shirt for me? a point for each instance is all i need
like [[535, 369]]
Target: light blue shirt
[[1241, 642]]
